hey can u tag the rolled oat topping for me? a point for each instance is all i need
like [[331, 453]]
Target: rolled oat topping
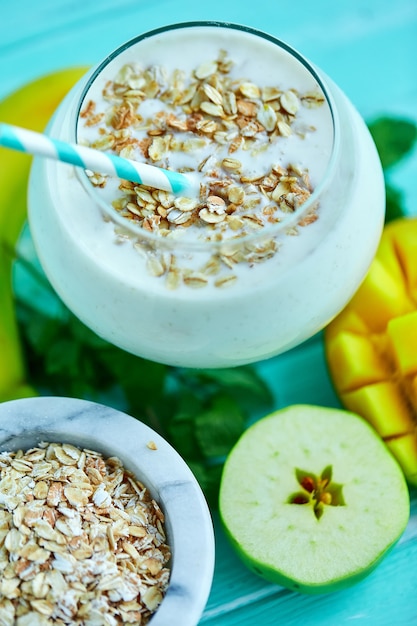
[[81, 540], [217, 125]]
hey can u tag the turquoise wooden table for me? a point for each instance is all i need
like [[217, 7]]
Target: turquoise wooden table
[[369, 47]]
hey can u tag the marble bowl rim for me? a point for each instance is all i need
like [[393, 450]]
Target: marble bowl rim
[[27, 421]]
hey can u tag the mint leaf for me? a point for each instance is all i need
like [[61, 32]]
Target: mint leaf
[[39, 330], [208, 477], [188, 405], [67, 358], [394, 138], [63, 356], [242, 383], [141, 381], [218, 428], [181, 425], [83, 335], [394, 203]]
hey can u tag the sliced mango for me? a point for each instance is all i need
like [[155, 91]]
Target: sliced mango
[[402, 334], [356, 360], [380, 298], [383, 405], [387, 254], [405, 243], [348, 320], [405, 450], [413, 393], [371, 346]]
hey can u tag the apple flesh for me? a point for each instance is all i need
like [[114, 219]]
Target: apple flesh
[[312, 499]]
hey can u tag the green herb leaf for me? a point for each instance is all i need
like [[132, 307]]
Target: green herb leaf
[[182, 437], [43, 334], [394, 203], [394, 138], [218, 428], [83, 335], [142, 381], [242, 383], [63, 355], [180, 426], [208, 477]]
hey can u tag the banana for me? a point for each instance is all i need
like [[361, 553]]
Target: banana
[[31, 106]]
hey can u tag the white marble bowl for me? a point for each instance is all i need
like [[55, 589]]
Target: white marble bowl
[[25, 423]]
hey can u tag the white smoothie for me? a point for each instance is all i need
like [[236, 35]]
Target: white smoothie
[[237, 279]]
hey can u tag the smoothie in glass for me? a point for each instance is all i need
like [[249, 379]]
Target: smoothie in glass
[[284, 228]]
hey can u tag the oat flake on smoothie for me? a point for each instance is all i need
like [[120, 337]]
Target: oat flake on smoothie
[[226, 128]]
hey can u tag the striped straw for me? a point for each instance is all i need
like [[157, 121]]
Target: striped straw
[[36, 143]]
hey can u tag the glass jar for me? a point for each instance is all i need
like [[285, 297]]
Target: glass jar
[[288, 219]]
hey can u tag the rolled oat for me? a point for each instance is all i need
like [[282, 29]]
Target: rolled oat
[[205, 110], [81, 540]]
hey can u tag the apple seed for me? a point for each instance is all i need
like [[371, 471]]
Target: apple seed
[[317, 490]]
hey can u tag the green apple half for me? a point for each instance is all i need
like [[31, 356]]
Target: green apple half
[[312, 499]]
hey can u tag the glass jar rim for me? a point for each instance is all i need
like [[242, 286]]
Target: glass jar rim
[[288, 221]]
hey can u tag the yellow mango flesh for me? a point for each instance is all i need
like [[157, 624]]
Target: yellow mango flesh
[[402, 333], [371, 346], [383, 405], [356, 361], [405, 450], [380, 298]]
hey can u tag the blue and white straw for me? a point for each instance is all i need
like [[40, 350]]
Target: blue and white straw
[[31, 142]]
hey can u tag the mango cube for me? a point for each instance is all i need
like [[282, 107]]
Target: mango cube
[[384, 406], [348, 320], [356, 361], [404, 449], [371, 346], [380, 298], [387, 254], [402, 334], [405, 243]]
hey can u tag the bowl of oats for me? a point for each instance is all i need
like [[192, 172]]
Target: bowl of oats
[[101, 521]]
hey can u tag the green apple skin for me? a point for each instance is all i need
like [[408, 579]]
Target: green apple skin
[[319, 423], [279, 578]]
